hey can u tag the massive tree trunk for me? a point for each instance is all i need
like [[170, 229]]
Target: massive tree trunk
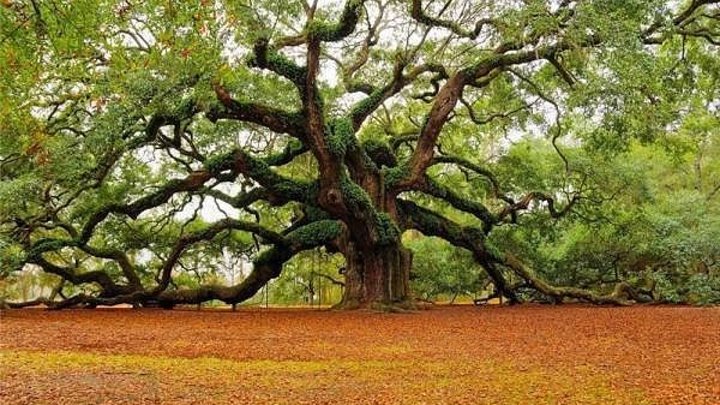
[[377, 277]]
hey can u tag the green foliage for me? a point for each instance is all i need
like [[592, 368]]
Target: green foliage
[[306, 280], [650, 226], [441, 269], [12, 257], [703, 289]]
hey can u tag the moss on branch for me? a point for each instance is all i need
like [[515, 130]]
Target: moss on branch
[[387, 231], [316, 233], [356, 199], [432, 224], [366, 106], [394, 176], [340, 137], [293, 149], [265, 57], [219, 163], [275, 119], [49, 245], [435, 189], [379, 152], [323, 31], [259, 170]]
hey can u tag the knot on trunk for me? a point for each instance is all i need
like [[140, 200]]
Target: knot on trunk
[[332, 197]]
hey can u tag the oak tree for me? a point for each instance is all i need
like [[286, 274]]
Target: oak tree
[[313, 125]]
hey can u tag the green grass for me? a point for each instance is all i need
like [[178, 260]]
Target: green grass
[[280, 381]]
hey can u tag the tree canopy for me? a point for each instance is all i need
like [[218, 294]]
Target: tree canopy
[[141, 141]]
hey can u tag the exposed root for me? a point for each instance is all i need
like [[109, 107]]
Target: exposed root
[[404, 306]]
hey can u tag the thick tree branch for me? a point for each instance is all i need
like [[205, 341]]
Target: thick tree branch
[[288, 154], [367, 106], [267, 265], [108, 286], [437, 190], [433, 224], [451, 93], [272, 118], [208, 234], [320, 31], [265, 57], [122, 260], [620, 296], [445, 102]]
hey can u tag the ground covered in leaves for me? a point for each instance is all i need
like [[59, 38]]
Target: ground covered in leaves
[[448, 355]]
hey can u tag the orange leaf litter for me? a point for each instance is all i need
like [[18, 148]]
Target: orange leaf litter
[[446, 355]]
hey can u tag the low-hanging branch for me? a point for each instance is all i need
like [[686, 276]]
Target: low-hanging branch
[[437, 190], [237, 162], [184, 242], [623, 293], [431, 223], [266, 266]]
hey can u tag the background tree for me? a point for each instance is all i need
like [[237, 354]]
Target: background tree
[[657, 232], [441, 270], [337, 126], [310, 278]]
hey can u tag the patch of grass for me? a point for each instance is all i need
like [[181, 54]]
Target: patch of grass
[[69, 360], [402, 381]]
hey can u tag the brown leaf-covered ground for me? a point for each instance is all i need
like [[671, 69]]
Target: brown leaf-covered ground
[[453, 355]]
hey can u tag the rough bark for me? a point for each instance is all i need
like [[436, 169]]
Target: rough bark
[[377, 278]]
